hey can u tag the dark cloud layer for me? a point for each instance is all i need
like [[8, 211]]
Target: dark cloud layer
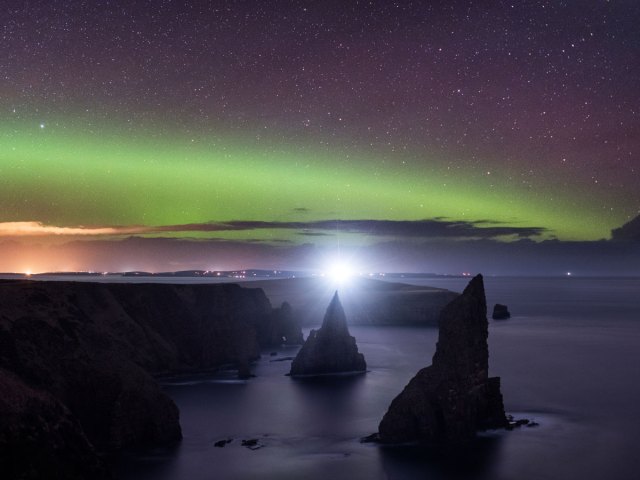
[[629, 231], [428, 228], [431, 228]]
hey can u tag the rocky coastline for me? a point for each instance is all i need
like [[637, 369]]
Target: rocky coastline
[[77, 362]]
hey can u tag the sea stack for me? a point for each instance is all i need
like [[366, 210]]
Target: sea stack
[[446, 403], [331, 349], [500, 312]]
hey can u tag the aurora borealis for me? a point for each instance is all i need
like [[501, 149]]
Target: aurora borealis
[[165, 135]]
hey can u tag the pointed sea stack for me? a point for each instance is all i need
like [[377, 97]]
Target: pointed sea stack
[[448, 402], [331, 349]]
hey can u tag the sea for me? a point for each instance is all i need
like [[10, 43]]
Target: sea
[[569, 359]]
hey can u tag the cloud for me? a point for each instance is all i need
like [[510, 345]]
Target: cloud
[[428, 228], [630, 231], [33, 229], [26, 229], [315, 234]]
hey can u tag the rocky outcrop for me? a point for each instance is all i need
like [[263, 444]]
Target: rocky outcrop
[[40, 438], [500, 312], [386, 303], [331, 349], [286, 328], [449, 401], [366, 302], [84, 354]]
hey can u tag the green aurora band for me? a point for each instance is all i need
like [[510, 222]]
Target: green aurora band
[[63, 174]]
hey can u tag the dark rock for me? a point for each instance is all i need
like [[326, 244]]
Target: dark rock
[[244, 371], [88, 350], [40, 438], [367, 302], [533, 424], [273, 354], [500, 312], [223, 443], [449, 401], [330, 349], [373, 438], [282, 359], [251, 444], [286, 328]]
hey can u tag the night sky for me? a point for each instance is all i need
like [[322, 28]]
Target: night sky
[[422, 136]]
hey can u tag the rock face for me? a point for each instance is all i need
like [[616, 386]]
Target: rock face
[[40, 438], [449, 401], [331, 349], [500, 312], [367, 302], [286, 329], [81, 357]]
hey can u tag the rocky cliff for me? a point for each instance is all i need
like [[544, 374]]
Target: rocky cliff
[[365, 301], [80, 357], [331, 349], [449, 401]]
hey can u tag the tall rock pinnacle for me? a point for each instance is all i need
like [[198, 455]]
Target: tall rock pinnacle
[[448, 402], [331, 349]]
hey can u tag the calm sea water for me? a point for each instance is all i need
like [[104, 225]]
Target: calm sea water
[[569, 358]]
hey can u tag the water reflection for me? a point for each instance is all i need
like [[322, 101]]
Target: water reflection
[[331, 400], [475, 461]]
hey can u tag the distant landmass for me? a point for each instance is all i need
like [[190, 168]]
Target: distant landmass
[[239, 274], [366, 301]]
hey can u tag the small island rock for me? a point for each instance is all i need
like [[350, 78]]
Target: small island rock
[[500, 312], [331, 349]]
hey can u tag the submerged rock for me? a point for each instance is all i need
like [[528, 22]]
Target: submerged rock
[[449, 401], [500, 312], [223, 443], [331, 349]]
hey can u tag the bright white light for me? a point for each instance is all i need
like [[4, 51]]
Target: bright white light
[[340, 272]]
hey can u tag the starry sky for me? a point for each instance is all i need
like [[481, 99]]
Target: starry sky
[[166, 135]]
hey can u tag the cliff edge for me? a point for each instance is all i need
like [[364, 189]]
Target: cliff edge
[[79, 360]]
